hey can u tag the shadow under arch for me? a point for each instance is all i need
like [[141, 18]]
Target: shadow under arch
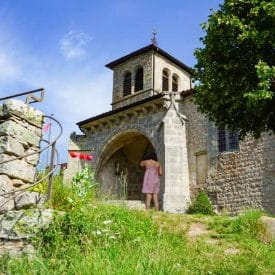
[[118, 170]]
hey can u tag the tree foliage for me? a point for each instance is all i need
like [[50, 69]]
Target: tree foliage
[[235, 70]]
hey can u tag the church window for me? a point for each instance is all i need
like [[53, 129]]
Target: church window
[[222, 140], [227, 140], [139, 80], [165, 80], [127, 84], [175, 83], [233, 140]]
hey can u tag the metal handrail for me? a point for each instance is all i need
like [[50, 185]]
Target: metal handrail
[[30, 96], [53, 168]]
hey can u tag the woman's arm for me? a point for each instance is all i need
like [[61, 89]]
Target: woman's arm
[[142, 163], [160, 170]]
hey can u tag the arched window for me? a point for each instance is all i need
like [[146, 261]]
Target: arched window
[[139, 80], [165, 80], [175, 83], [127, 84]]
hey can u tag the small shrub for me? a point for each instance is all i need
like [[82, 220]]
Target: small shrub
[[202, 205], [42, 187], [83, 181], [79, 193]]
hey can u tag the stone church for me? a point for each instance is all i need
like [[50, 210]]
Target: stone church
[[153, 111]]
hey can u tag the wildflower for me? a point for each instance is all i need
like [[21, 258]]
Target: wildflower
[[112, 237], [107, 222], [98, 232], [70, 200], [138, 239]]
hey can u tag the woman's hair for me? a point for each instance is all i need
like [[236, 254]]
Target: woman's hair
[[148, 156]]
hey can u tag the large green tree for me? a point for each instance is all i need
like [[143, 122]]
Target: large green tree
[[235, 70]]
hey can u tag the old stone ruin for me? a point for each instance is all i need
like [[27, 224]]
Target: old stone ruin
[[20, 135]]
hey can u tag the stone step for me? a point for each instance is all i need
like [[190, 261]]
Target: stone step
[[270, 226], [16, 248], [132, 204]]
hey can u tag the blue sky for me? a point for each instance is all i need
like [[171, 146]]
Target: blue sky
[[63, 45]]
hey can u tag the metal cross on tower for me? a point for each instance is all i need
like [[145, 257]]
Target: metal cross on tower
[[154, 38]]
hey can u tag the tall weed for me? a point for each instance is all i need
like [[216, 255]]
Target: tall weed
[[249, 224], [79, 193]]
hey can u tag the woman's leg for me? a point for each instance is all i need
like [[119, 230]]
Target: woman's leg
[[156, 201], [148, 201]]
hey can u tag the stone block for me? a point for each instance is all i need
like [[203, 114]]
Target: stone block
[[23, 224], [17, 169], [18, 108], [33, 159], [29, 200], [270, 225], [23, 134], [6, 203], [11, 146]]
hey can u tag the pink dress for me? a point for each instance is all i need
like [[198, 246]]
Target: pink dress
[[151, 181]]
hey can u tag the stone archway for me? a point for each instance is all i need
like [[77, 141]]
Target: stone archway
[[118, 170]]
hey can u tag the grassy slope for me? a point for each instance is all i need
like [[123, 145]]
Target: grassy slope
[[104, 239]]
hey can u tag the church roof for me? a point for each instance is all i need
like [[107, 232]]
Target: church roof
[[150, 47], [112, 112], [188, 92]]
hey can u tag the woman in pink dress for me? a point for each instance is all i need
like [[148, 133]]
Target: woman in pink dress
[[151, 180]]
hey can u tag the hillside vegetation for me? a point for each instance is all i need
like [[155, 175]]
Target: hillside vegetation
[[92, 237]]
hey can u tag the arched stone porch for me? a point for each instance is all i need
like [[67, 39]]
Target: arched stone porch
[[118, 169]]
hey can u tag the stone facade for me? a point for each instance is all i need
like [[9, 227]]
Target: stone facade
[[162, 63], [235, 180], [119, 142], [185, 142], [20, 134], [244, 179], [144, 61]]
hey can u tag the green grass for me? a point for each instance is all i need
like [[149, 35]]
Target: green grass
[[106, 239], [97, 238]]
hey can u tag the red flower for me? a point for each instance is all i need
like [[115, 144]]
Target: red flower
[[74, 154], [81, 156]]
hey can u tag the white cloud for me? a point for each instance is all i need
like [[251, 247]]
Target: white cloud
[[73, 93], [8, 68], [74, 44]]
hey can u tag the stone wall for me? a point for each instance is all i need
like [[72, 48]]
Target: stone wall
[[20, 134], [246, 178], [233, 180], [197, 139]]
